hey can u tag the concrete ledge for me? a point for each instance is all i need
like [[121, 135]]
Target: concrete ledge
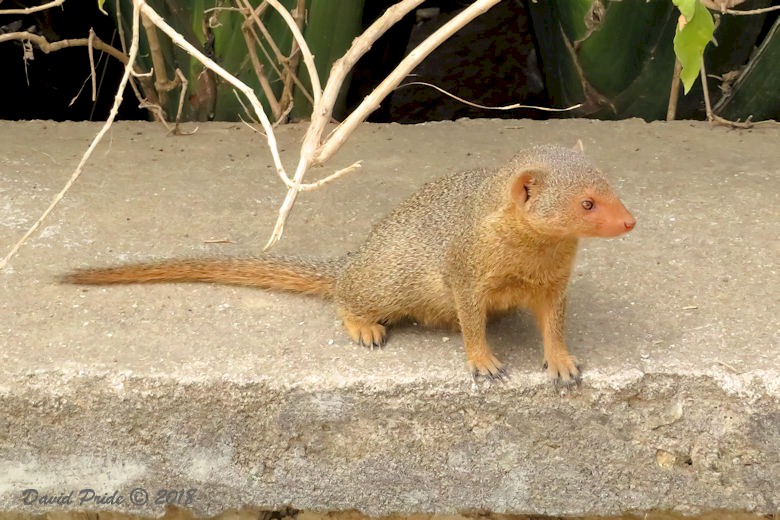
[[258, 399]]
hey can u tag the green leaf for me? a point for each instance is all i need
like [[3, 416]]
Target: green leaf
[[690, 41], [100, 6], [686, 7]]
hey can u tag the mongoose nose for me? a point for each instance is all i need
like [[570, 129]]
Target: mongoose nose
[[629, 224]]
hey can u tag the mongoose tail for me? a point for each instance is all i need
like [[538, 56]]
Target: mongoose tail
[[290, 274]]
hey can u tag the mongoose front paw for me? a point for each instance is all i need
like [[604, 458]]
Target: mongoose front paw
[[366, 334], [487, 366], [563, 371]]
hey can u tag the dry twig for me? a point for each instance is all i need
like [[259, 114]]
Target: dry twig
[[752, 11], [93, 76], [712, 117], [30, 10], [92, 146], [45, 46], [674, 94], [314, 150], [513, 106]]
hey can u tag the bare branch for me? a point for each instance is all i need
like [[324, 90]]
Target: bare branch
[[753, 11], [321, 115], [241, 86], [308, 58], [260, 72], [77, 172], [312, 151], [289, 73], [712, 117], [162, 84], [674, 93], [145, 98], [30, 10], [484, 107], [337, 138], [322, 111], [46, 47], [332, 177], [90, 42], [182, 94]]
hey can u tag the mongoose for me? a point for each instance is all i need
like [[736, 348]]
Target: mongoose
[[463, 248]]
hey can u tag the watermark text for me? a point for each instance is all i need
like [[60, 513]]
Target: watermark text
[[137, 497]]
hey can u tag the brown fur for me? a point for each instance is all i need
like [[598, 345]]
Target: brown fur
[[462, 248], [290, 274]]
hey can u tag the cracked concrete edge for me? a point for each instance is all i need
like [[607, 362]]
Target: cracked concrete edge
[[659, 442]]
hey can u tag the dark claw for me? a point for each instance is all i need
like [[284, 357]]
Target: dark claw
[[544, 365], [502, 375], [371, 345], [571, 383]]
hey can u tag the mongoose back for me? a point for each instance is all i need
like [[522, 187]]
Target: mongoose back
[[464, 247]]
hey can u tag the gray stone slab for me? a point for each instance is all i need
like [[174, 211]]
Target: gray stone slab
[[255, 398]]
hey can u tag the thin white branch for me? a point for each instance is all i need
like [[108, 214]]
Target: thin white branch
[[279, 59], [241, 86], [371, 102], [90, 52], [295, 184], [321, 112], [95, 142], [46, 47], [246, 109], [332, 177], [752, 11], [29, 10], [308, 58], [484, 107], [321, 115], [312, 151]]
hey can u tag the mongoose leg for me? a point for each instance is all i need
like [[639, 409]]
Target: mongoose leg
[[472, 316], [363, 331], [561, 366]]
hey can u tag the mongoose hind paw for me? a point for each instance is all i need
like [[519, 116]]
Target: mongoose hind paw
[[373, 340], [365, 333]]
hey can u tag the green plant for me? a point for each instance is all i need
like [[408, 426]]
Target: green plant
[[694, 31]]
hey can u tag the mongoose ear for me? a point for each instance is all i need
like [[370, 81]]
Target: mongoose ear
[[578, 146], [522, 187]]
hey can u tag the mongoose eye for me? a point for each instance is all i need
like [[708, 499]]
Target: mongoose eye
[[587, 204]]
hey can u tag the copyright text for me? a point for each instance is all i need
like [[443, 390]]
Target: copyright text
[[137, 497]]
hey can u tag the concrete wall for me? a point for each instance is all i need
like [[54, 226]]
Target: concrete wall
[[258, 399]]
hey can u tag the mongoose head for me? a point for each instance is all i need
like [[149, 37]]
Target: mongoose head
[[560, 193]]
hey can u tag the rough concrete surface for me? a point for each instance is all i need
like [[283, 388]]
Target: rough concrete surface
[[258, 399]]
